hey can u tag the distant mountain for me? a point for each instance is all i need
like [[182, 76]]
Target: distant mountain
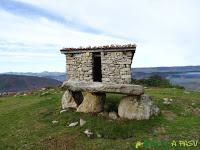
[[169, 69], [18, 83], [187, 76], [60, 76]]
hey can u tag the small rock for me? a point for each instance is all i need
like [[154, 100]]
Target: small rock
[[64, 110], [193, 104], [43, 89], [73, 124], [25, 94], [17, 94], [186, 92], [44, 94], [4, 93], [88, 132], [113, 115], [99, 135], [167, 101], [104, 114], [82, 122], [54, 122]]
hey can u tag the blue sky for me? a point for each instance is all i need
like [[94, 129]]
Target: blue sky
[[32, 32]]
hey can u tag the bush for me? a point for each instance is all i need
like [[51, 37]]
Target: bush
[[156, 81]]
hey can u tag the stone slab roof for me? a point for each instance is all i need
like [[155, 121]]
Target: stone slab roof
[[130, 47]]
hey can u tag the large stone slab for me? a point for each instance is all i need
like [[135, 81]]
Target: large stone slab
[[139, 108], [71, 99], [99, 87], [92, 102]]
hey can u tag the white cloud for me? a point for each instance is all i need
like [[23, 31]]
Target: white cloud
[[130, 18], [166, 32], [28, 41], [43, 31]]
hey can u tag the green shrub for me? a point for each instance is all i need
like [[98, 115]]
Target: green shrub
[[156, 81]]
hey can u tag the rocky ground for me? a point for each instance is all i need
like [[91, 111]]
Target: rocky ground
[[35, 120]]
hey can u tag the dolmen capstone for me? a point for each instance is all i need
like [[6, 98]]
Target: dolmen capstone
[[136, 105]]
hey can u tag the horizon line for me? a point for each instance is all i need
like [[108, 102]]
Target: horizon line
[[131, 68]]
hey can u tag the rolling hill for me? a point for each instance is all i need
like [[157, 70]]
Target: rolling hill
[[18, 83], [26, 122], [60, 76], [187, 76]]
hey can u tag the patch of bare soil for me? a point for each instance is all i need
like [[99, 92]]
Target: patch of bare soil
[[160, 133], [64, 142], [195, 111], [170, 116]]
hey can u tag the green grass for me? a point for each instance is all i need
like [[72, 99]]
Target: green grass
[[26, 123]]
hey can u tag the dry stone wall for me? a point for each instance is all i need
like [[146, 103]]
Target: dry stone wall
[[79, 66], [116, 67]]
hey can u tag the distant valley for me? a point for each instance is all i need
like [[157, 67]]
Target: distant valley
[[60, 76], [20, 83], [188, 76]]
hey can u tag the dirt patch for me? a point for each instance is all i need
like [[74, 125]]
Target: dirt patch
[[159, 130], [195, 111], [170, 116], [159, 133], [64, 142]]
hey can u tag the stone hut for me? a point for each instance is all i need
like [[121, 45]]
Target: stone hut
[[97, 71], [100, 64]]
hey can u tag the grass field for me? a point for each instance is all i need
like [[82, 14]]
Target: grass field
[[26, 123]]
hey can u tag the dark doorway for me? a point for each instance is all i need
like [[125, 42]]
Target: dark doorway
[[97, 75]]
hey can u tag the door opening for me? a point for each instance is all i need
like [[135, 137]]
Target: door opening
[[97, 74]]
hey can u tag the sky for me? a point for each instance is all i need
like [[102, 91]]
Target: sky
[[32, 32]]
